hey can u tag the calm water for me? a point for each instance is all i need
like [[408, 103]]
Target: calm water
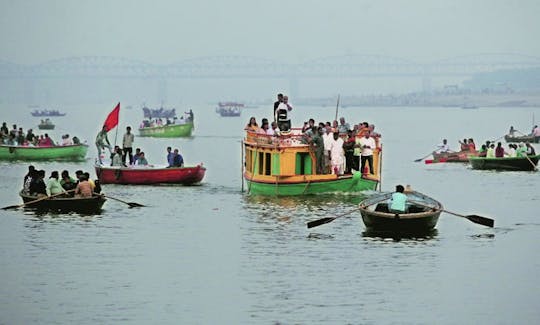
[[210, 254]]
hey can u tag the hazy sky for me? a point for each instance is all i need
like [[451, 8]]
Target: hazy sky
[[292, 31]]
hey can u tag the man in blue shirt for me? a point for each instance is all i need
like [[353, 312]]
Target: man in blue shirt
[[178, 160], [398, 202], [170, 156]]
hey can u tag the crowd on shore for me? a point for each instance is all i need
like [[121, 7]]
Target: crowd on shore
[[17, 137]]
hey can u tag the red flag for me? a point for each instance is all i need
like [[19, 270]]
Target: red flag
[[112, 119]]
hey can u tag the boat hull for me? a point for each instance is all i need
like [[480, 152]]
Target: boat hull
[[313, 184], [525, 138], [66, 204], [149, 175], [167, 131], [460, 157], [65, 153], [46, 126], [506, 163], [421, 218]]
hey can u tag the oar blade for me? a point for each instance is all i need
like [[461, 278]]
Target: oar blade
[[135, 205], [481, 220], [9, 207], [319, 222], [418, 160]]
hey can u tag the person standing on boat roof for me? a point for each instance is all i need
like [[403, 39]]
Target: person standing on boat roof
[[398, 202], [127, 146], [102, 142], [283, 114], [276, 104]]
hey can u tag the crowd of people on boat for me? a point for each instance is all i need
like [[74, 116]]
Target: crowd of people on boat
[[490, 149], [150, 122], [34, 184], [17, 137], [338, 148]]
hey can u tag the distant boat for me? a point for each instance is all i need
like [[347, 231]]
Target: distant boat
[[229, 109], [468, 106], [76, 152], [527, 163], [46, 125], [47, 112], [159, 112]]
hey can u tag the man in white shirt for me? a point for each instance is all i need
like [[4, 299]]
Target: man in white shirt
[[127, 146], [367, 145], [327, 136], [443, 147], [283, 114], [337, 156]]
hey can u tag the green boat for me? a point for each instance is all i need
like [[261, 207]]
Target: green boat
[[527, 163], [284, 166], [167, 131], [70, 153]]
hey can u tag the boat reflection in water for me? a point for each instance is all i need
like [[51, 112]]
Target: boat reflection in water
[[399, 236]]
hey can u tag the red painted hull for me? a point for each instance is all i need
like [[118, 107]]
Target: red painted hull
[[146, 176]]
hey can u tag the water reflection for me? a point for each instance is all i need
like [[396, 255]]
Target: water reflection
[[399, 236]]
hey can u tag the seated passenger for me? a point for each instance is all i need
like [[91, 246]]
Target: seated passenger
[[178, 160], [83, 189], [398, 201], [141, 161]]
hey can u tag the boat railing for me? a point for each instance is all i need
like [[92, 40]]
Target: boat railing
[[293, 138]]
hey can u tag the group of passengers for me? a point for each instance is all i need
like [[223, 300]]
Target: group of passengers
[[535, 132], [150, 123], [59, 185], [338, 149], [17, 137], [489, 150], [465, 145]]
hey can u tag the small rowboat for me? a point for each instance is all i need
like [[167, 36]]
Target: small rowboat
[[46, 126], [505, 163], [144, 175], [460, 156], [65, 204], [421, 217], [523, 138], [74, 152]]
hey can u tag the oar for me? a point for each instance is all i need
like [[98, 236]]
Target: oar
[[322, 221], [420, 159], [529, 159], [35, 201], [472, 217], [131, 204]]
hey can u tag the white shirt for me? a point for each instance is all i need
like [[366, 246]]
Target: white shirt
[[327, 137], [370, 142], [336, 150], [287, 107]]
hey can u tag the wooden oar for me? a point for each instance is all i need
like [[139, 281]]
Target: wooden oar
[[529, 159], [131, 204], [472, 217], [35, 201], [322, 221], [420, 159]]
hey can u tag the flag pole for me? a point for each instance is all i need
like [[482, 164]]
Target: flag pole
[[116, 134]]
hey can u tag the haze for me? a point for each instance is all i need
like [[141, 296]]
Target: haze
[[163, 32]]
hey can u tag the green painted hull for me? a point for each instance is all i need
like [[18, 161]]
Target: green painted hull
[[167, 131], [65, 153], [349, 184]]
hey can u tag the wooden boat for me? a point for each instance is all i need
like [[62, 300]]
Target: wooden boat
[[285, 166], [228, 110], [150, 175], [459, 156], [66, 204], [167, 131], [421, 217], [47, 113], [46, 125], [506, 163], [74, 152], [524, 138]]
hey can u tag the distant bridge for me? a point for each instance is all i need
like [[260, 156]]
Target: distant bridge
[[347, 66]]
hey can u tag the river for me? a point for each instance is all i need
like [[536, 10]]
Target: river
[[211, 254]]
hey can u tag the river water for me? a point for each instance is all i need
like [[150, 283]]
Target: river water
[[211, 254]]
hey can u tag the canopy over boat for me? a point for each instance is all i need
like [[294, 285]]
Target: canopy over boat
[[421, 216], [76, 152], [150, 175], [159, 112]]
